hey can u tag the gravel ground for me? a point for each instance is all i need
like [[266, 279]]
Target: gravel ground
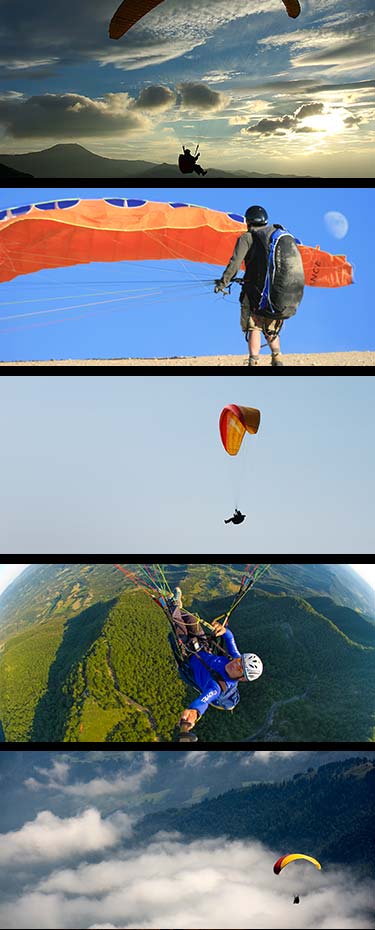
[[215, 361]]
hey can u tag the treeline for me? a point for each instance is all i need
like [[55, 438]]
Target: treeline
[[35, 672], [128, 682], [106, 672], [328, 813]]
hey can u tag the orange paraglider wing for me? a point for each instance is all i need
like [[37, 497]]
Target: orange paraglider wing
[[77, 232], [65, 233], [325, 270], [131, 11], [292, 7], [128, 14], [235, 422]]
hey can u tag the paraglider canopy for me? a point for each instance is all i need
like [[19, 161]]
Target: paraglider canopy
[[285, 860], [131, 12], [234, 423], [76, 232], [292, 7], [128, 14]]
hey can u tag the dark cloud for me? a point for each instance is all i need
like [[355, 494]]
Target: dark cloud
[[281, 125], [309, 109], [155, 97], [68, 116], [352, 121], [201, 97]]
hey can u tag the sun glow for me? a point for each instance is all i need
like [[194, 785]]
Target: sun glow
[[331, 122]]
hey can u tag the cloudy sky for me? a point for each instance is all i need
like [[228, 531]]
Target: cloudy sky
[[67, 860], [259, 91]]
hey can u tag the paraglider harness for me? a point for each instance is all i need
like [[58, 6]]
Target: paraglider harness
[[154, 582], [187, 163], [266, 309], [181, 650], [276, 329], [182, 653]]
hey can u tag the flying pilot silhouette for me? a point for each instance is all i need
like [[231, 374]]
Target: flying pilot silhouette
[[238, 517]]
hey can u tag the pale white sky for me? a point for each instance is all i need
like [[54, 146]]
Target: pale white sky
[[8, 573], [120, 494], [367, 572]]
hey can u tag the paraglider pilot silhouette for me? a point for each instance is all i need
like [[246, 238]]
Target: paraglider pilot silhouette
[[237, 518], [188, 163], [273, 285]]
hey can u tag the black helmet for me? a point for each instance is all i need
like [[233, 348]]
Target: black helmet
[[256, 216]]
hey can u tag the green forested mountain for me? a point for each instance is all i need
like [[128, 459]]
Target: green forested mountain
[[327, 812], [85, 657]]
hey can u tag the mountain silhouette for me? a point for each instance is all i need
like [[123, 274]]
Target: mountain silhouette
[[74, 161]]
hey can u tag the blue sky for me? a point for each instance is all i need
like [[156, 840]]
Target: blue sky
[[184, 317], [120, 465], [259, 91]]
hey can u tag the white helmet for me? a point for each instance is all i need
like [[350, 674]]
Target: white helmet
[[252, 666]]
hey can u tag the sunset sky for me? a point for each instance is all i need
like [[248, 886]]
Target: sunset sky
[[259, 91]]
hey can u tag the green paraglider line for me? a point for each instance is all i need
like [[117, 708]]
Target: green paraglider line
[[152, 579]]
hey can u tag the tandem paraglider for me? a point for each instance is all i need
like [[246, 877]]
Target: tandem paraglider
[[207, 656]]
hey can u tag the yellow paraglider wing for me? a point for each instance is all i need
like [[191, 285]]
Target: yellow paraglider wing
[[128, 14], [285, 860], [235, 421]]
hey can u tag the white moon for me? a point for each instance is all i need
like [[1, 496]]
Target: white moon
[[337, 224]]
